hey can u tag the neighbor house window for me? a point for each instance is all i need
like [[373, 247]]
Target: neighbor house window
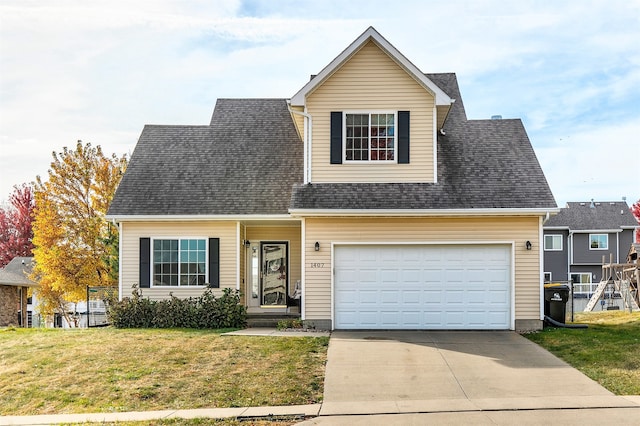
[[553, 242], [179, 262], [599, 241], [582, 284], [370, 137], [547, 277]]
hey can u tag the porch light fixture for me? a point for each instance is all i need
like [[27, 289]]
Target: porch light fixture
[[317, 246], [528, 245], [247, 243]]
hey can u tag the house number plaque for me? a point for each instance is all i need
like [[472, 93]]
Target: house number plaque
[[317, 265]]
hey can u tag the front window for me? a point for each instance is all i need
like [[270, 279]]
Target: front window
[[553, 242], [179, 262], [370, 137], [598, 241]]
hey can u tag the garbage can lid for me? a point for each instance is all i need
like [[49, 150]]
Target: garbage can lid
[[550, 285]]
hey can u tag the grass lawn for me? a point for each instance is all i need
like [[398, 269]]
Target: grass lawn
[[48, 371], [608, 351]]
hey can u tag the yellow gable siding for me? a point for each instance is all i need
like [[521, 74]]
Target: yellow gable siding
[[370, 80], [130, 261], [422, 230]]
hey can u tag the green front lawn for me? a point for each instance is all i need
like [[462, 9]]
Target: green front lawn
[[109, 370], [608, 351]]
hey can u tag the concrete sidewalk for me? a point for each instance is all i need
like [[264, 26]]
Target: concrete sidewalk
[[210, 413], [564, 417]]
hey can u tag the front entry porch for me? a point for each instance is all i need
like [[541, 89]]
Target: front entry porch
[[271, 271]]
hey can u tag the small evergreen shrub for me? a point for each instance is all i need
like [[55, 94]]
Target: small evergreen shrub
[[205, 311]]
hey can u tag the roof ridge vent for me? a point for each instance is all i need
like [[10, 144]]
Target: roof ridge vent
[[496, 117]]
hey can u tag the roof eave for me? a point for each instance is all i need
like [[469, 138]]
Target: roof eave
[[441, 98], [595, 231], [422, 212], [194, 218]]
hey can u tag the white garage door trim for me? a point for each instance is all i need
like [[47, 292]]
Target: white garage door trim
[[509, 244]]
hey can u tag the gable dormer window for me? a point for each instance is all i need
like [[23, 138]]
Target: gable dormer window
[[370, 137]]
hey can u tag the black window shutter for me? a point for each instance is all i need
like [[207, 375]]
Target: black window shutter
[[214, 262], [336, 137], [145, 263], [403, 137]]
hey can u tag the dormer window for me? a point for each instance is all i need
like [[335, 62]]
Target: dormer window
[[373, 137], [370, 136]]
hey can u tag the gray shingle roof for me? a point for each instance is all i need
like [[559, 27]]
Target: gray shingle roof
[[481, 164], [245, 162], [16, 272], [249, 160], [588, 216]]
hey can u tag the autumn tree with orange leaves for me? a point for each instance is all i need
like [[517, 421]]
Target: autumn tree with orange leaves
[[635, 209], [74, 244]]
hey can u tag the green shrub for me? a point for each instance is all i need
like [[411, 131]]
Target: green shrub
[[205, 311]]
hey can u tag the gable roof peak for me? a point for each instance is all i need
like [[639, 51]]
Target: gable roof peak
[[371, 34]]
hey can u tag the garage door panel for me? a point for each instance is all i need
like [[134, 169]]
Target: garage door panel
[[368, 297], [428, 287], [390, 297], [347, 297]]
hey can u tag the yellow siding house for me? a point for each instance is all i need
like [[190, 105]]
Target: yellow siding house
[[367, 200]]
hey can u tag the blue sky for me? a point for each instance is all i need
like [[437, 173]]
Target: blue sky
[[99, 71]]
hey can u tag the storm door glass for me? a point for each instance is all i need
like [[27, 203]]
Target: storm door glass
[[274, 274]]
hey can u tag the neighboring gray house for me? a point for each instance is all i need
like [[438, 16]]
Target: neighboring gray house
[[14, 284], [576, 239]]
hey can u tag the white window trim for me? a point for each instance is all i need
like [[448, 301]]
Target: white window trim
[[369, 161], [590, 285], [206, 262], [553, 235], [598, 248]]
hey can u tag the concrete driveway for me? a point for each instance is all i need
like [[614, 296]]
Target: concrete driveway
[[382, 372]]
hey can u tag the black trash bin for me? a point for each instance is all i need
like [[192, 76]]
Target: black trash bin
[[555, 301]]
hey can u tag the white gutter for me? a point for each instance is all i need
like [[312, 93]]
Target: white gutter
[[596, 231], [308, 132], [418, 212], [193, 218]]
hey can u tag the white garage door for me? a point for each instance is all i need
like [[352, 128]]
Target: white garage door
[[422, 287]]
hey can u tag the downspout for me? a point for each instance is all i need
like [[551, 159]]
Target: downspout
[[569, 254], [308, 131], [120, 244]]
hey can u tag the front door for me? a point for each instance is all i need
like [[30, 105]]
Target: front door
[[274, 273]]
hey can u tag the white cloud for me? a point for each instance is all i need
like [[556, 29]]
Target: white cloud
[[98, 71]]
